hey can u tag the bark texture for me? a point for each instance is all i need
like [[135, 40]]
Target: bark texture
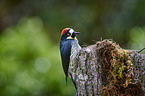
[[105, 69]]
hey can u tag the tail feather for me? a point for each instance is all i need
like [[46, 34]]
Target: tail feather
[[73, 80], [66, 80]]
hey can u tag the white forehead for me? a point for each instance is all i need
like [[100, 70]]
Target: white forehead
[[71, 31]]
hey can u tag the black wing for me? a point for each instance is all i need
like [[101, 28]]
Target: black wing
[[65, 49]]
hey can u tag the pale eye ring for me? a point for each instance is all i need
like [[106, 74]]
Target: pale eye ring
[[68, 34]]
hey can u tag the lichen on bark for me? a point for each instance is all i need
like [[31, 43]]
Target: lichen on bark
[[106, 69]]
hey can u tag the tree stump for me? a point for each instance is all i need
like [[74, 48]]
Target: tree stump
[[105, 69]]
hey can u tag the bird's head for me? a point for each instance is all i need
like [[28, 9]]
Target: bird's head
[[68, 33]]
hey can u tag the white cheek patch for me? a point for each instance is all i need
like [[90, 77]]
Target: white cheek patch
[[71, 31], [69, 37]]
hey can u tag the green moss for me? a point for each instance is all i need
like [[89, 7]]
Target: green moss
[[117, 67]]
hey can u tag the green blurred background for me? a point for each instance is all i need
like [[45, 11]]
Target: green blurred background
[[30, 33]]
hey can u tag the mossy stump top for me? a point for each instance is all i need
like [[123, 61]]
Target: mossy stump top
[[106, 69]]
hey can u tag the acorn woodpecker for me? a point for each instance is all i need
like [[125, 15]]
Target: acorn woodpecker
[[69, 48]]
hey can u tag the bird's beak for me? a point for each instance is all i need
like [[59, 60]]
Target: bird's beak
[[76, 33]]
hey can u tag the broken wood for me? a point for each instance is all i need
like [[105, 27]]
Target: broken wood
[[106, 69]]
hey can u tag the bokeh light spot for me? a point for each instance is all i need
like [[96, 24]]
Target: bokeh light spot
[[31, 84], [35, 24], [42, 65]]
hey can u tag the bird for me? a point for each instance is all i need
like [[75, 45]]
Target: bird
[[69, 48]]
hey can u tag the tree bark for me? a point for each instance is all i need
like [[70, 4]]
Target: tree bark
[[105, 69]]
